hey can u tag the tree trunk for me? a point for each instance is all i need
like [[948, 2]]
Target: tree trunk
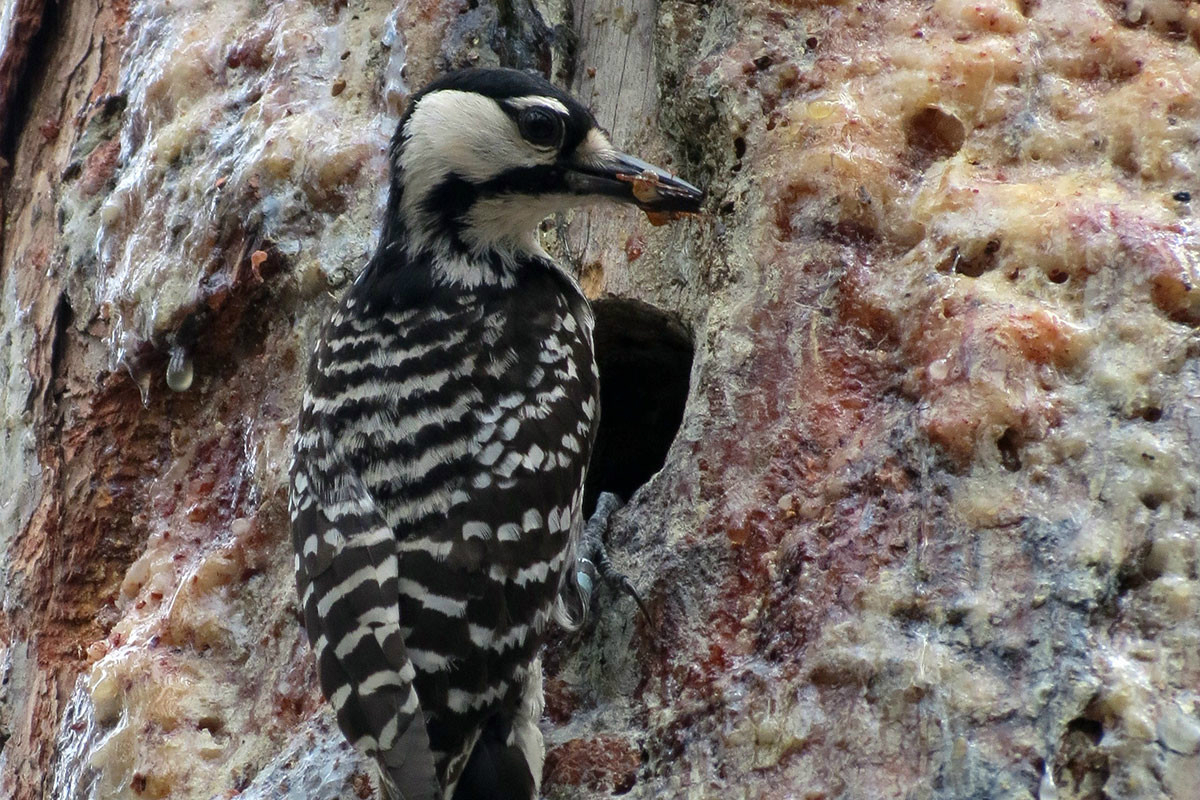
[[927, 527]]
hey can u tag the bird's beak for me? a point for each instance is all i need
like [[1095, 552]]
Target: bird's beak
[[622, 177]]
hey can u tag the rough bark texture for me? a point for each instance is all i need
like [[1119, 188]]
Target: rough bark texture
[[929, 527]]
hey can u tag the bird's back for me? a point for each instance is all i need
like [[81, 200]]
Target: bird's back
[[467, 416]]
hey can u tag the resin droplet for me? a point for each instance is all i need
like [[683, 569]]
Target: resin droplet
[[179, 369], [143, 384]]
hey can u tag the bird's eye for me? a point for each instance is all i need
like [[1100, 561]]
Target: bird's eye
[[540, 127]]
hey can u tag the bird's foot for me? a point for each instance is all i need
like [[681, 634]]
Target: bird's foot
[[593, 557]]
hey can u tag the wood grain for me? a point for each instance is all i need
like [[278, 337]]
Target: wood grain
[[617, 76]]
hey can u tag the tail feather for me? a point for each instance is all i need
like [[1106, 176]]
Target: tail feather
[[506, 761], [347, 571], [497, 770], [406, 769]]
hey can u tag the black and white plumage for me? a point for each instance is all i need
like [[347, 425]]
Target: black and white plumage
[[452, 401]]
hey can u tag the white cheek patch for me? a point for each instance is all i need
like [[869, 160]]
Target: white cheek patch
[[472, 136], [462, 132]]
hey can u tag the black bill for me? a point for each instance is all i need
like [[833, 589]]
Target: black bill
[[631, 180]]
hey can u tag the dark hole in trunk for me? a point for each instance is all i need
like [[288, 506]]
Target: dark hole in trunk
[[645, 360]]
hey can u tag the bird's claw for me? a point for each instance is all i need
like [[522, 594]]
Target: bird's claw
[[593, 559]]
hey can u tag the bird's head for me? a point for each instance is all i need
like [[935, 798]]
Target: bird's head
[[481, 156]]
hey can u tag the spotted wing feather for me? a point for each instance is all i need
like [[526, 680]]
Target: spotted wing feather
[[346, 576], [470, 419]]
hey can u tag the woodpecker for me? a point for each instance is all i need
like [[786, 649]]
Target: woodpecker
[[436, 486]]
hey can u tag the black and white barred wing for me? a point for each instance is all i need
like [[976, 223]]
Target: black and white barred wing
[[346, 573], [479, 581], [484, 579]]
